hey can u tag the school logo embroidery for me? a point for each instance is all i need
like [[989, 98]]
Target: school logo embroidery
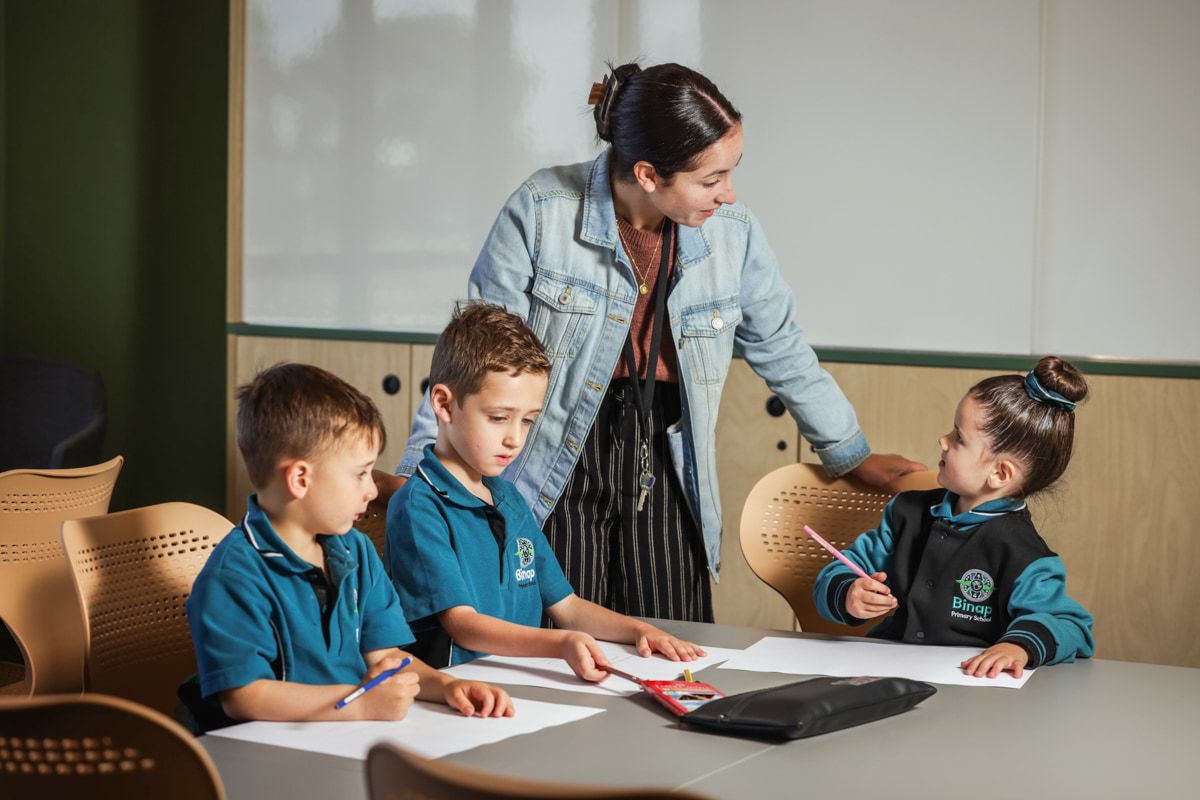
[[525, 554], [976, 585]]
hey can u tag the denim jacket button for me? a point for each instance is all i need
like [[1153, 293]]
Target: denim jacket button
[[565, 297], [717, 322]]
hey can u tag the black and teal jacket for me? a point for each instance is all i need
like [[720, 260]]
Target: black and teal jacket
[[976, 578]]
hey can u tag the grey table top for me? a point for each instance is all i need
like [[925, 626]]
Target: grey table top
[[1096, 728]]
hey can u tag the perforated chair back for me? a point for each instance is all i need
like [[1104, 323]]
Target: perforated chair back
[[784, 556], [99, 747], [374, 525], [37, 595], [134, 571], [396, 774]]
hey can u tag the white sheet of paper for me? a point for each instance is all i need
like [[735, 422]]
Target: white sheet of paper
[[850, 659], [553, 673], [430, 729]]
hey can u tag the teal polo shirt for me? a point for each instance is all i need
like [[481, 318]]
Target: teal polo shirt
[[255, 613], [447, 548]]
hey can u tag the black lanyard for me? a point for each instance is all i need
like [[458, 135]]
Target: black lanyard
[[645, 397]]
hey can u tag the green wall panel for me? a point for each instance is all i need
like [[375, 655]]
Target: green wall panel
[[114, 254]]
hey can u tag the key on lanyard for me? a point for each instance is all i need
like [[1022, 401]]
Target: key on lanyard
[[646, 479]]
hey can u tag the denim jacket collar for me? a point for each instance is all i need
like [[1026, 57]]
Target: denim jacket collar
[[600, 218]]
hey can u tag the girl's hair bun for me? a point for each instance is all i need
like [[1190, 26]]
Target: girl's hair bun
[[1060, 376]]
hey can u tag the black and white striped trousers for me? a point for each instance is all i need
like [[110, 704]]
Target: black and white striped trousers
[[649, 563]]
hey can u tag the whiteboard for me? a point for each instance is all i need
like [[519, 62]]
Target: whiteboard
[[933, 175]]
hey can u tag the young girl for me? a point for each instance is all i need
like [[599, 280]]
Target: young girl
[[967, 566]]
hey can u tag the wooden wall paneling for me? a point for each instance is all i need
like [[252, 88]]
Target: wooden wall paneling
[[904, 409], [422, 356], [748, 440], [235, 470], [363, 364], [1121, 518]]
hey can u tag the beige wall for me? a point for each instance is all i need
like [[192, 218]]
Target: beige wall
[[1117, 518]]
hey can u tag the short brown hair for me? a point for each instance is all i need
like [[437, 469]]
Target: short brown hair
[[298, 411], [483, 338], [1040, 435]]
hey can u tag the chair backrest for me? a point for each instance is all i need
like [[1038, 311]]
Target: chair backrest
[[37, 595], [374, 525], [784, 556], [134, 571], [52, 414], [396, 774], [99, 747]]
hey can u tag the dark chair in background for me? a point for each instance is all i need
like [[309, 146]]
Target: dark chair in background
[[52, 414]]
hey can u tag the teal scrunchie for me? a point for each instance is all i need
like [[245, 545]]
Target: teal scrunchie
[[1043, 395]]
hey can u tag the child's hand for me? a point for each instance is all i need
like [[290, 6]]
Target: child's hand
[[996, 659], [652, 640], [870, 597], [471, 696], [584, 656], [391, 699]]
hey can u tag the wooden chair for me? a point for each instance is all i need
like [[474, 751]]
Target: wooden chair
[[395, 774], [784, 556], [99, 747], [374, 525], [37, 595], [133, 572]]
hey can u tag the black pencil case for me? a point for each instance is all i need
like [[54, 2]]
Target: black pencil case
[[808, 708]]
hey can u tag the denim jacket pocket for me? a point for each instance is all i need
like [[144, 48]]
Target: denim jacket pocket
[[706, 338], [559, 312]]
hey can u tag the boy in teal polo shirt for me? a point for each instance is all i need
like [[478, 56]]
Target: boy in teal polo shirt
[[293, 609], [473, 570]]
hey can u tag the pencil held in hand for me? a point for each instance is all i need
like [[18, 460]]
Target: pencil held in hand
[[620, 673], [371, 684], [836, 553]]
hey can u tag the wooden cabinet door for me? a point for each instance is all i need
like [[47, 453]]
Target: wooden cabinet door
[[750, 443]]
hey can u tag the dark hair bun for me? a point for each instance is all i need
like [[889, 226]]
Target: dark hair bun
[[614, 84], [1059, 376]]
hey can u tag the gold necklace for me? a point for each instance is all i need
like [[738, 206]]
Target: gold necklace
[[642, 287]]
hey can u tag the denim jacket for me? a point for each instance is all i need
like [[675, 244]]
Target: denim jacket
[[554, 258]]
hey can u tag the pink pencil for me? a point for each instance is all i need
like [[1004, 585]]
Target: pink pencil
[[836, 553]]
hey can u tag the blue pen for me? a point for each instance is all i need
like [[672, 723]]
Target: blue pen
[[369, 685]]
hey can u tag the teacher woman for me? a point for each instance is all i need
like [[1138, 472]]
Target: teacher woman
[[642, 275]]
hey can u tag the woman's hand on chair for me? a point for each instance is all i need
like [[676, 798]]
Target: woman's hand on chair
[[881, 469]]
